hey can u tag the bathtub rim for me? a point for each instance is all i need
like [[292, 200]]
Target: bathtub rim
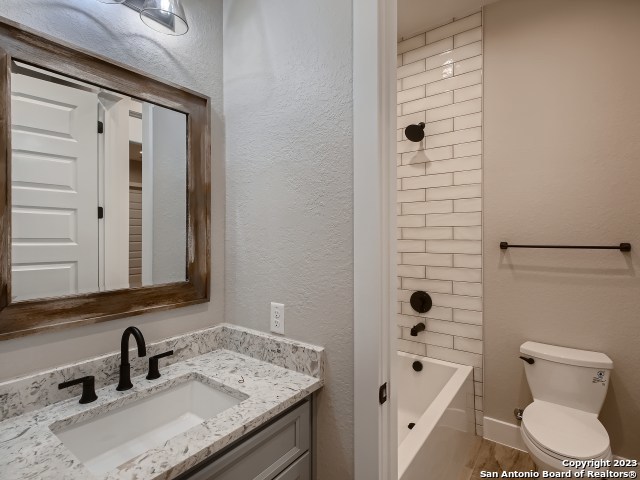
[[427, 422]]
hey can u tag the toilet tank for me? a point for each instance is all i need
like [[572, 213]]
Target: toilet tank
[[566, 376]]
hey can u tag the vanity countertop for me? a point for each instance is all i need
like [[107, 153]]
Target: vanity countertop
[[30, 450]]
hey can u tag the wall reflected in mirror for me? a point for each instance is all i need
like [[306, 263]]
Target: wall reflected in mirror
[[99, 189]]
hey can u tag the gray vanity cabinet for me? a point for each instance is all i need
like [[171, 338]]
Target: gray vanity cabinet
[[279, 451], [299, 470]]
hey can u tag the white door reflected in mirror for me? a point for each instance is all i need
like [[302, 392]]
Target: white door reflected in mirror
[[99, 189]]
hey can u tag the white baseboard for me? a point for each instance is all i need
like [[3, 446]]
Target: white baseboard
[[505, 433]]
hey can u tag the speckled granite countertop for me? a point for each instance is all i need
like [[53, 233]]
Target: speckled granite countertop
[[29, 448]]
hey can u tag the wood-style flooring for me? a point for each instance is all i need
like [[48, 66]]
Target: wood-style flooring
[[493, 457]]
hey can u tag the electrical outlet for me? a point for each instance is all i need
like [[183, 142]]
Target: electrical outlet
[[277, 318]]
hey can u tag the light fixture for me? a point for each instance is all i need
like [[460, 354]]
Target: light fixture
[[165, 16]]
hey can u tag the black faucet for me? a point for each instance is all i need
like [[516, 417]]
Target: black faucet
[[125, 367], [417, 328]]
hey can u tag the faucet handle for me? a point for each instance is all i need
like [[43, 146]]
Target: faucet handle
[[88, 388], [154, 371]]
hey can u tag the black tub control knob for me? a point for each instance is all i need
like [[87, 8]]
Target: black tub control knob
[[421, 302]]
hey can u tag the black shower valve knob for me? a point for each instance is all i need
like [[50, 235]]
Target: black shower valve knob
[[421, 301]]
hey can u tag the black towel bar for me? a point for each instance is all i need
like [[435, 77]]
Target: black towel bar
[[623, 247]]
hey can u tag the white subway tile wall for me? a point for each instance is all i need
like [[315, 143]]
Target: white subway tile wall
[[440, 194]]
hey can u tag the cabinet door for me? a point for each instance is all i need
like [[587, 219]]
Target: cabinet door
[[264, 455], [300, 470]]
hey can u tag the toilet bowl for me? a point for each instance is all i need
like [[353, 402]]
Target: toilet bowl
[[561, 426], [557, 436]]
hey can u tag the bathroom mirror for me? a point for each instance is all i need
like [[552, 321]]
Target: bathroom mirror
[[104, 188]]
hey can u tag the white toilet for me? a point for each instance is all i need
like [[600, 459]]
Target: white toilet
[[568, 387]]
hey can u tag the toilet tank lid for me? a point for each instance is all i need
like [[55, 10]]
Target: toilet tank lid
[[569, 356]]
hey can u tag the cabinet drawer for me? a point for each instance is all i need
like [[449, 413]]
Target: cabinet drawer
[[300, 470], [264, 455]]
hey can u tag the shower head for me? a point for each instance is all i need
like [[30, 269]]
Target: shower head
[[415, 133]]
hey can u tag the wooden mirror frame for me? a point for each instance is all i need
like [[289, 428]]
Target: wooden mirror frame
[[28, 317]]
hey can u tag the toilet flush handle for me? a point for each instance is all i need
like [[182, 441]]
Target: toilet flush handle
[[529, 360]]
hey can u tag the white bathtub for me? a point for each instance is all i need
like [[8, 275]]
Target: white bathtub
[[439, 400]]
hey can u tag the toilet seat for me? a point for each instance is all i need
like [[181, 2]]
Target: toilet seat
[[537, 450], [546, 461], [565, 433]]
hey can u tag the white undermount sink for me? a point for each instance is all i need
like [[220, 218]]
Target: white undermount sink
[[110, 439]]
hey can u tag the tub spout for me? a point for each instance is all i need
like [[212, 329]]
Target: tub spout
[[417, 328]]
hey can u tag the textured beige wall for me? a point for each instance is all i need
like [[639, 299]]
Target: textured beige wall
[[562, 165], [288, 105]]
